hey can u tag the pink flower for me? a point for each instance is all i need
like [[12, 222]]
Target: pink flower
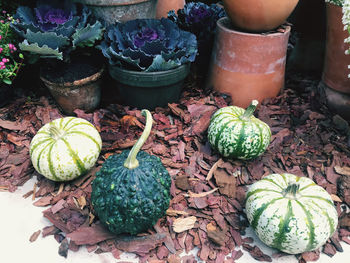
[[0, 37], [1, 49], [2, 63], [3, 67]]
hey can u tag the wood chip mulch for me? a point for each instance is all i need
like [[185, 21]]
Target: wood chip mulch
[[207, 206]]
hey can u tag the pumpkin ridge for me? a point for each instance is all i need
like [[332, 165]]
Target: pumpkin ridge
[[65, 125], [218, 135], [311, 226], [238, 150], [271, 181], [32, 148], [86, 135], [81, 123], [75, 157], [49, 160], [44, 132], [320, 198], [249, 194], [307, 186], [262, 142], [330, 222], [60, 125], [283, 228], [284, 179], [39, 156], [261, 210]]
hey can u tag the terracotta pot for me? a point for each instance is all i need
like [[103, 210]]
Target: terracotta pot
[[248, 66], [335, 71], [164, 6], [111, 11], [259, 15], [84, 94]]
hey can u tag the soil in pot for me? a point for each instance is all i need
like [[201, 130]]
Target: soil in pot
[[148, 90], [248, 66], [74, 85]]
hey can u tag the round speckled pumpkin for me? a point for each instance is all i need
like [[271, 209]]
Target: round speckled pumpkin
[[291, 213], [65, 148], [236, 133]]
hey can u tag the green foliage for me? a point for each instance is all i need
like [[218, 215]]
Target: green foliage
[[53, 29], [10, 59], [336, 2]]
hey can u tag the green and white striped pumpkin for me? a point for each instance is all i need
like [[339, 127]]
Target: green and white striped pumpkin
[[290, 213], [65, 148], [236, 133]]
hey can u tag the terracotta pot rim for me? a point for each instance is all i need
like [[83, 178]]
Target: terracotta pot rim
[[76, 83], [221, 23]]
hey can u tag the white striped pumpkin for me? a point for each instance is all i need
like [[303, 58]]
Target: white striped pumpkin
[[291, 213], [65, 148], [235, 133]]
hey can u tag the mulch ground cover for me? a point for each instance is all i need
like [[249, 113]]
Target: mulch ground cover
[[208, 192]]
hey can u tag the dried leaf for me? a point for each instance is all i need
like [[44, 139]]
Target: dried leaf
[[172, 212], [203, 194], [34, 236], [213, 168], [183, 224], [342, 170]]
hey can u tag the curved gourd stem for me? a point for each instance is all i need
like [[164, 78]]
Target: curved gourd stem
[[291, 190], [131, 162], [250, 110], [55, 132]]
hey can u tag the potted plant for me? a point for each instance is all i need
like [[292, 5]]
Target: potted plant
[[149, 59], [199, 19], [10, 59], [111, 11], [258, 15], [61, 33], [248, 66], [335, 84]]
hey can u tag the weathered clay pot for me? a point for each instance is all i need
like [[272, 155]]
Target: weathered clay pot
[[335, 71], [164, 6], [111, 11], [248, 66], [84, 94], [259, 15]]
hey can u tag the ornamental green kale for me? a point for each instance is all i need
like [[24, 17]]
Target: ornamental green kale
[[54, 29], [148, 45]]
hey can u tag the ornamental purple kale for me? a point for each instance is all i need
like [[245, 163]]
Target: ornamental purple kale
[[54, 28], [148, 45], [198, 18]]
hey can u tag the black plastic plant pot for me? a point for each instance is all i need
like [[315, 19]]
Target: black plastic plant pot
[[148, 90], [6, 94]]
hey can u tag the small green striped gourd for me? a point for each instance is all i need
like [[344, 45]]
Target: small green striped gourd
[[65, 148], [236, 133], [291, 213]]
